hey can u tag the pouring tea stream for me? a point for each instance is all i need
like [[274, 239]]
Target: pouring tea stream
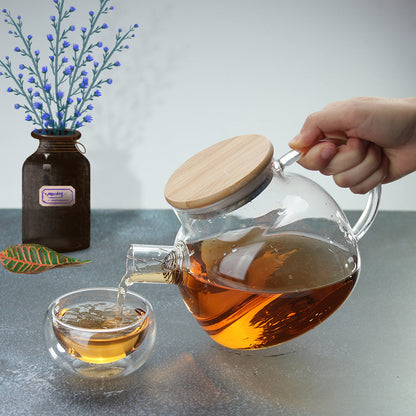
[[262, 255]]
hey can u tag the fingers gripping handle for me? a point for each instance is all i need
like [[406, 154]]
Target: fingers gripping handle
[[370, 211]]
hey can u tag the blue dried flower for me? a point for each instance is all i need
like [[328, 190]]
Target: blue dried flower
[[74, 77], [84, 83]]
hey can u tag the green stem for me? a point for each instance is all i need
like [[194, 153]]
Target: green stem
[[59, 7]]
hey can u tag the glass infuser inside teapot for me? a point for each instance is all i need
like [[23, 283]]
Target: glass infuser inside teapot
[[262, 255]]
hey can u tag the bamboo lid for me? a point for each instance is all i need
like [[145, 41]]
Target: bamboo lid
[[218, 171]]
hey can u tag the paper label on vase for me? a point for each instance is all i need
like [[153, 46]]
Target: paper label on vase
[[55, 196]]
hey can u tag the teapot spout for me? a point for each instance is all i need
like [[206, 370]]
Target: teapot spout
[[155, 264]]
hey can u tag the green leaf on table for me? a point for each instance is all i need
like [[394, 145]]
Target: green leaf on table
[[34, 258]]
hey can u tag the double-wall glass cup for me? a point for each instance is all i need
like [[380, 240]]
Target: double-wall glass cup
[[101, 350]]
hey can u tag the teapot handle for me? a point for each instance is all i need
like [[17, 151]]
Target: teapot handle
[[370, 211]]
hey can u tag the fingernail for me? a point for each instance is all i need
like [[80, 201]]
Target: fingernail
[[295, 140]]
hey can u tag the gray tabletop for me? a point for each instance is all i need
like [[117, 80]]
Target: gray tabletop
[[361, 361]]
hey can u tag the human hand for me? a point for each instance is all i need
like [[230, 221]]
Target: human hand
[[361, 142]]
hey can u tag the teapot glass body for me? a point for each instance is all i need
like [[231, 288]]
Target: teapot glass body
[[259, 276]]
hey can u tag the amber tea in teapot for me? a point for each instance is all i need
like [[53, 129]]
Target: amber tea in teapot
[[298, 272]]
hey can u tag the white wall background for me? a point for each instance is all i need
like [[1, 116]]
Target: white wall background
[[200, 71]]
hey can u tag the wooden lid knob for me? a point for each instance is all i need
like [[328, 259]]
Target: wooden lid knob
[[218, 171]]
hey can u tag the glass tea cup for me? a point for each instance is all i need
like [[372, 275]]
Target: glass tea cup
[[99, 351]]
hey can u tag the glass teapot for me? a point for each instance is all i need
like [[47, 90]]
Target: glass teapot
[[262, 255]]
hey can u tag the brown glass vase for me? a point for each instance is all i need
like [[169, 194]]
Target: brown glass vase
[[56, 194]]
